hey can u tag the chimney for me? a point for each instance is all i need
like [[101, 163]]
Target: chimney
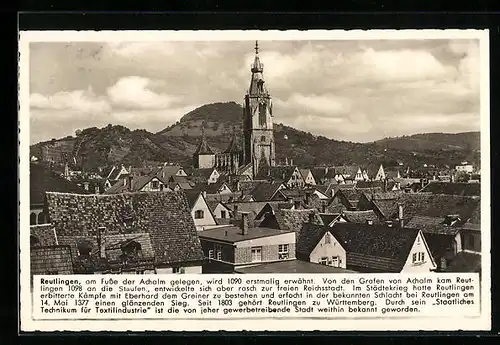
[[422, 183], [129, 182], [400, 215], [291, 162], [101, 232], [237, 185], [286, 161], [308, 195], [296, 204], [323, 207], [385, 185], [311, 218], [244, 223]]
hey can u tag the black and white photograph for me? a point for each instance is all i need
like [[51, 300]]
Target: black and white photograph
[[257, 155]]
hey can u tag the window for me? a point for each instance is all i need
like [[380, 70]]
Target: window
[[263, 138], [335, 261], [198, 214], [177, 269], [327, 238], [41, 218], [97, 190], [262, 114], [219, 255], [283, 251], [418, 258], [218, 252], [211, 254], [223, 214], [33, 218], [155, 185], [323, 261], [256, 254]]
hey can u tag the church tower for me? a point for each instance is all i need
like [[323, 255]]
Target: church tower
[[204, 156], [258, 120]]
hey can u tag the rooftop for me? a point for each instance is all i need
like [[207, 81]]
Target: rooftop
[[292, 266], [233, 234]]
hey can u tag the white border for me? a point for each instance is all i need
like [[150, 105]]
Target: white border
[[27, 324]]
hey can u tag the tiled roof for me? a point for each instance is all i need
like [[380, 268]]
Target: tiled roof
[[292, 266], [308, 238], [453, 188], [51, 260], [112, 243], [265, 191], [370, 184], [165, 216], [234, 145], [42, 180], [375, 247], [385, 207], [328, 218], [273, 208], [203, 147], [360, 216], [465, 262], [433, 225], [439, 244], [232, 234], [43, 235], [202, 175], [318, 173], [278, 173], [192, 197], [247, 186], [295, 219], [437, 205]]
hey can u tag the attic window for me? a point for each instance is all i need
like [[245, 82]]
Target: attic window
[[84, 248], [132, 249]]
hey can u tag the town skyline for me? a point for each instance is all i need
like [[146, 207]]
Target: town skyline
[[94, 84]]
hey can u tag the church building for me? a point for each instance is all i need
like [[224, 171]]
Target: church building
[[256, 150]]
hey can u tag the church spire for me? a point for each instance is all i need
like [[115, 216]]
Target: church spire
[[257, 66], [233, 146], [203, 148]]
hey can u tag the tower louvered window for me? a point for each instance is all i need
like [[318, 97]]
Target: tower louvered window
[[262, 114]]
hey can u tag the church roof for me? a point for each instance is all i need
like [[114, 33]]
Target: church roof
[[234, 145], [203, 148]]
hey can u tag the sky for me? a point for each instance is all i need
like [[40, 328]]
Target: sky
[[346, 90]]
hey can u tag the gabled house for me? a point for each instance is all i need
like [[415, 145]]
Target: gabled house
[[146, 183], [114, 174], [221, 212], [287, 174], [227, 249], [131, 232], [308, 177], [268, 191], [329, 219], [367, 248], [200, 211], [375, 172], [442, 236], [272, 208], [319, 175], [206, 175], [360, 217], [344, 199], [294, 220]]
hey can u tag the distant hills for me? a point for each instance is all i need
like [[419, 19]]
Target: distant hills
[[94, 147]]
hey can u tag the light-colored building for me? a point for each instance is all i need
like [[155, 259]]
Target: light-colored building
[[308, 177]]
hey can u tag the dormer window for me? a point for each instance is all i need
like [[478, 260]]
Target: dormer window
[[84, 248], [132, 250]]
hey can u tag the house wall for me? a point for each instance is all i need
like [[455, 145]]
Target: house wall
[[217, 212], [213, 177], [325, 249], [471, 241], [243, 255], [149, 186], [296, 180], [419, 246], [207, 219], [285, 238], [187, 270], [206, 161], [321, 195], [380, 174], [309, 179], [225, 190]]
